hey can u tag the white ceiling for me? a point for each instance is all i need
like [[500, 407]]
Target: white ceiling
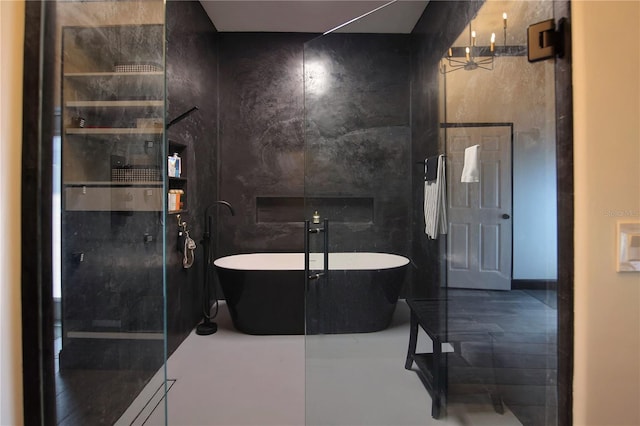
[[313, 16], [400, 17]]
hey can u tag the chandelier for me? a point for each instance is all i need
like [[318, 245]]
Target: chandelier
[[474, 56]]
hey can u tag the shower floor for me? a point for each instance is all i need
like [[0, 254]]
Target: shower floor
[[231, 378]]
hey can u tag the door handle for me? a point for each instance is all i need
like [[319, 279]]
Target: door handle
[[306, 252], [505, 216], [326, 247], [308, 230]]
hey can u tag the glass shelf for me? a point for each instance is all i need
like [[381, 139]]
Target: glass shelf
[[114, 130], [115, 104]]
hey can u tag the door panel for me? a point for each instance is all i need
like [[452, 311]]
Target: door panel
[[480, 236]]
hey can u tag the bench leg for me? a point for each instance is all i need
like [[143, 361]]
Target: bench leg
[[413, 340], [439, 378], [497, 403]]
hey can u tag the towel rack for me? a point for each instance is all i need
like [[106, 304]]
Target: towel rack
[[424, 163], [431, 156]]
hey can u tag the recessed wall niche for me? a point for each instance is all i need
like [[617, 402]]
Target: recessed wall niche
[[336, 209]]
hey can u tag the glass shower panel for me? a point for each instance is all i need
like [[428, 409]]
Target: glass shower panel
[[109, 210], [499, 297], [357, 202]]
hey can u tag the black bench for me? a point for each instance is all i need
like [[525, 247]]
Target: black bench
[[430, 315]]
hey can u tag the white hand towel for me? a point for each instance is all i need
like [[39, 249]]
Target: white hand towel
[[471, 168]]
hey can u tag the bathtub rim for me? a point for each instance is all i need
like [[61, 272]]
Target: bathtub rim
[[317, 261]]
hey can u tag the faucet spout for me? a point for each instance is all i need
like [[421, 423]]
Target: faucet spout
[[207, 216], [225, 203]]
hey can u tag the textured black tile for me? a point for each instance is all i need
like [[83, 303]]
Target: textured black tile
[[525, 376], [96, 397], [541, 396], [125, 273], [510, 346], [192, 80], [528, 337], [351, 140]]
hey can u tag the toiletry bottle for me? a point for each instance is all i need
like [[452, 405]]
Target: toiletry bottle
[[179, 199], [178, 164], [171, 166], [172, 199]]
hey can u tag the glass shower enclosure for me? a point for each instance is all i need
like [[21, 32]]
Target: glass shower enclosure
[[377, 105], [358, 188], [481, 317], [109, 207]]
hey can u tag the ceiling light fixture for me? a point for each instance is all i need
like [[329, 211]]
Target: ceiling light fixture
[[475, 56]]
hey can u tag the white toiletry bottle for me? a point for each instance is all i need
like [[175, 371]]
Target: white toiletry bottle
[[171, 166], [178, 162]]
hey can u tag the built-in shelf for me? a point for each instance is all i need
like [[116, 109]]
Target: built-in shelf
[[181, 182], [115, 104], [113, 198], [114, 183], [293, 209], [94, 75], [176, 146], [114, 130]]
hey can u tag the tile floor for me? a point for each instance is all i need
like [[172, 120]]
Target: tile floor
[[231, 378]]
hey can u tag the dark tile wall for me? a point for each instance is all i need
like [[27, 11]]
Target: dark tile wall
[[192, 80], [358, 142], [358, 135], [261, 137], [111, 261], [123, 269]]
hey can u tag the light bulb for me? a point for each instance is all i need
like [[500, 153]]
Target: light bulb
[[467, 50], [504, 19]]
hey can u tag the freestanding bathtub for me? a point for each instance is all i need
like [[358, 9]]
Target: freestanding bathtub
[[265, 292]]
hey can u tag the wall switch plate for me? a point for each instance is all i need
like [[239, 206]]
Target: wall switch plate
[[628, 246]]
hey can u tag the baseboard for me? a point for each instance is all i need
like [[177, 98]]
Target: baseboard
[[534, 284]]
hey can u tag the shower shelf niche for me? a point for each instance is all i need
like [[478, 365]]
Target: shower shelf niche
[[113, 107], [112, 131], [179, 183]]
